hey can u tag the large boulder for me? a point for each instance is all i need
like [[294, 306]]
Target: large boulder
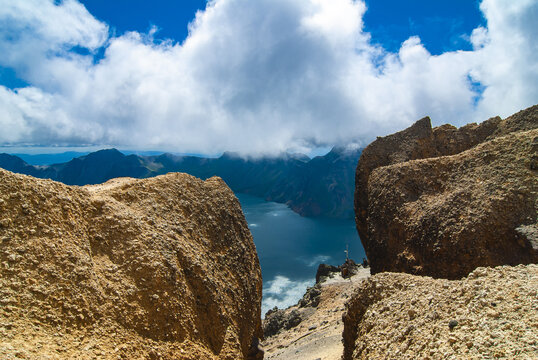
[[491, 314], [162, 268], [444, 201]]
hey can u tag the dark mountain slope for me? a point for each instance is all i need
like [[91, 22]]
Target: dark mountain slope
[[100, 166], [322, 186]]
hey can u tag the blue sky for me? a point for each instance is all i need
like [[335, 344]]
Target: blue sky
[[170, 16], [440, 24], [259, 76]]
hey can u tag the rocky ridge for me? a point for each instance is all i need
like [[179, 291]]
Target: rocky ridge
[[491, 314], [322, 186], [312, 329], [443, 201], [162, 268]]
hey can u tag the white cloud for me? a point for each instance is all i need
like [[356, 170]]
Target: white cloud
[[34, 33], [283, 292], [315, 261], [507, 62], [253, 76]]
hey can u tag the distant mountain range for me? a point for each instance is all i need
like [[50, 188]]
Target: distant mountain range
[[318, 187]]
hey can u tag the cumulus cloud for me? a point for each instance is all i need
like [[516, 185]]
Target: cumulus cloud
[[505, 55], [253, 76]]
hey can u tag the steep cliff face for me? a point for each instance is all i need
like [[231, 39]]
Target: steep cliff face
[[322, 187], [444, 201], [491, 314], [156, 268]]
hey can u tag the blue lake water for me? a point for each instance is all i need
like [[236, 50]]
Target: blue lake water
[[291, 247]]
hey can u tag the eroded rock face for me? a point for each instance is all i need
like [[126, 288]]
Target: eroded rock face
[[490, 314], [443, 201], [157, 268], [277, 320]]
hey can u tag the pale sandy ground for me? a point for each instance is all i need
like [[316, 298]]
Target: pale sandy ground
[[319, 336]]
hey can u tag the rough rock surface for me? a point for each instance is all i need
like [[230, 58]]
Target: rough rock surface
[[163, 268], [324, 271], [443, 201], [319, 334], [493, 313], [311, 298], [277, 320]]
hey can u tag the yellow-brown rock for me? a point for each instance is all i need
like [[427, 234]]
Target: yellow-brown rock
[[162, 268], [491, 314], [444, 201]]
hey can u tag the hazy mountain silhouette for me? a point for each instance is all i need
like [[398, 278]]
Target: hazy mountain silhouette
[[48, 159], [322, 186]]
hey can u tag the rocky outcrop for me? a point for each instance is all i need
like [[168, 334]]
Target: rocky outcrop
[[312, 330], [312, 296], [348, 269], [277, 320], [490, 314], [325, 271], [163, 268], [443, 201]]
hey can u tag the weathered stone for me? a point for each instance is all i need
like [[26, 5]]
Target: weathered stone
[[370, 332], [311, 297], [468, 199], [348, 268], [277, 320], [324, 271], [415, 142], [106, 276]]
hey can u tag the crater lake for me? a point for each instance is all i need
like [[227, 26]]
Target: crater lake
[[290, 248]]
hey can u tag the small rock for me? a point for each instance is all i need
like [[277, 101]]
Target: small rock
[[494, 314], [12, 257], [409, 329], [452, 324]]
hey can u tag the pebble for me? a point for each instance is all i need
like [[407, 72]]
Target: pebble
[[12, 257]]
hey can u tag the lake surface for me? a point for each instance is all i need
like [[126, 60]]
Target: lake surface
[[291, 247]]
